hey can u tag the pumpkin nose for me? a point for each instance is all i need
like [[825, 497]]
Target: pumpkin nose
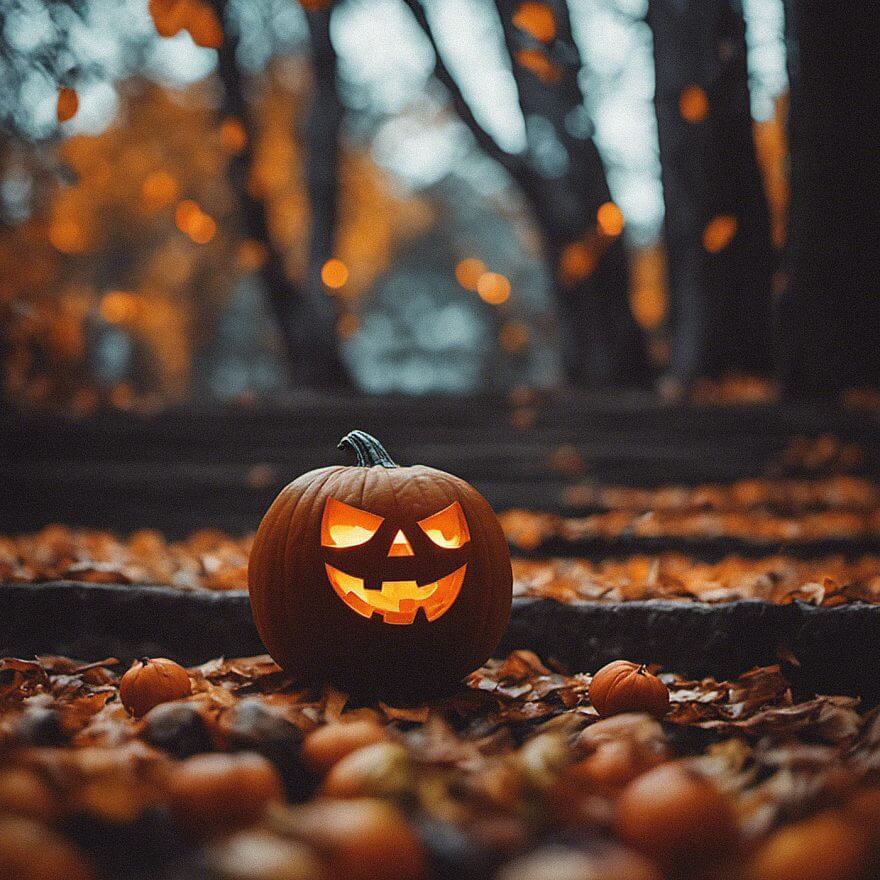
[[400, 546]]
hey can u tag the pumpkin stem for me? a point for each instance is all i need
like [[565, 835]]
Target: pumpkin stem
[[369, 451]]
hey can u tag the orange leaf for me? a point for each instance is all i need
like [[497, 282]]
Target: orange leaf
[[204, 27], [169, 16], [538, 63], [536, 19], [68, 104]]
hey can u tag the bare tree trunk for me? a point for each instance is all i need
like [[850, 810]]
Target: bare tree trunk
[[562, 178], [608, 345], [829, 315], [719, 252], [304, 315], [322, 181]]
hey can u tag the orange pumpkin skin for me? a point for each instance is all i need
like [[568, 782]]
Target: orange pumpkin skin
[[150, 682], [622, 686], [316, 606], [673, 815]]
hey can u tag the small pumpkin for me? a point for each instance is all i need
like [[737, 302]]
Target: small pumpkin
[[152, 681], [361, 838], [214, 793], [673, 814], [824, 847], [622, 686], [330, 743], [387, 581]]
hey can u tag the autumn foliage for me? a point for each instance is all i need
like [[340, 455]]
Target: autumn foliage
[[250, 770], [194, 16]]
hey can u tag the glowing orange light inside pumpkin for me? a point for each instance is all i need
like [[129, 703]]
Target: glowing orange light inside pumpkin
[[448, 528], [400, 546], [610, 219], [334, 273], [346, 526], [493, 288], [397, 602]]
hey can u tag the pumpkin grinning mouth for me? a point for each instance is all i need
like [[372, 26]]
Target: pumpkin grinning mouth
[[397, 601]]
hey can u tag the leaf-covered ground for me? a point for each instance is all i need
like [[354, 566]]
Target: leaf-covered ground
[[212, 560], [513, 777]]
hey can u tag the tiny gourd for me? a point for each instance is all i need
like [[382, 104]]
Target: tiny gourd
[[151, 681], [622, 686], [386, 581]]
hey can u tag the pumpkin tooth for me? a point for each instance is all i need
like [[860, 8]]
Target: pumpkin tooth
[[397, 601]]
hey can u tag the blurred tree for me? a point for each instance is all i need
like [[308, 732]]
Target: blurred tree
[[305, 315], [717, 231], [829, 313], [563, 180]]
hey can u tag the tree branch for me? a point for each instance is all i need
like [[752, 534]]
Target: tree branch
[[511, 162]]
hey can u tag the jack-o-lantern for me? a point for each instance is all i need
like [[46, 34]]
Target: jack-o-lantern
[[384, 580]]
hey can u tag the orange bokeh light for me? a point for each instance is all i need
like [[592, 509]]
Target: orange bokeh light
[[493, 288], [334, 273], [610, 219], [513, 337], [185, 214], [576, 262], [118, 306], [250, 255], [67, 236], [232, 135], [693, 104], [193, 221], [158, 189], [203, 229], [536, 19], [719, 232], [468, 272]]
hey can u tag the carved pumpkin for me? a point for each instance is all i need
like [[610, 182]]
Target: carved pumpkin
[[387, 581], [622, 686]]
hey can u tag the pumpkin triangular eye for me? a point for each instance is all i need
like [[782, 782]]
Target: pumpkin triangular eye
[[448, 528], [345, 526]]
